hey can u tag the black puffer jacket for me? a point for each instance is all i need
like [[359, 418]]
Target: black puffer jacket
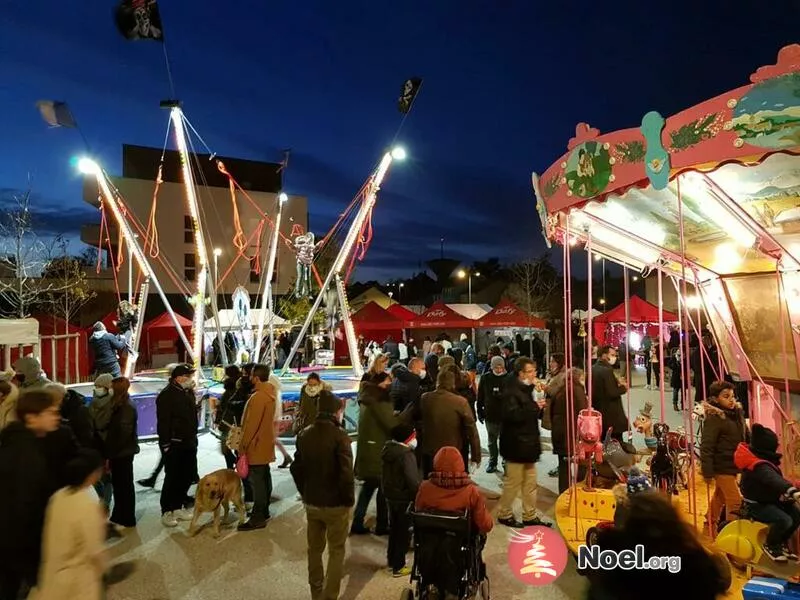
[[490, 397], [122, 440], [27, 486], [607, 398], [176, 413], [75, 415], [519, 436], [723, 431], [405, 388], [762, 480], [400, 475], [60, 447]]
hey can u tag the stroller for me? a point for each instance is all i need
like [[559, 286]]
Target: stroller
[[447, 558]]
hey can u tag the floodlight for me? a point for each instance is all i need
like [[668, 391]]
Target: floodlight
[[461, 274], [88, 167], [282, 197], [217, 252], [399, 153]]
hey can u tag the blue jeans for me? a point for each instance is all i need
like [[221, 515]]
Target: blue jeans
[[783, 519]]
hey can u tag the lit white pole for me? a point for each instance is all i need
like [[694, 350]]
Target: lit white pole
[[89, 167], [220, 339], [266, 299]]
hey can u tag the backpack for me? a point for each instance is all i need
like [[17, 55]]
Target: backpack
[[100, 411]]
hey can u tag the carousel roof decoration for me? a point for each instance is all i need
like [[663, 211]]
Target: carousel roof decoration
[[710, 194]]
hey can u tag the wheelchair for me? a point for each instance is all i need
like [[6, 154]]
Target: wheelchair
[[447, 558]]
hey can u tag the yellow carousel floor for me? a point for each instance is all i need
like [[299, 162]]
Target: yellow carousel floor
[[598, 506]]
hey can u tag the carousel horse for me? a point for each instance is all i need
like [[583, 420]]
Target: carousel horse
[[662, 466]]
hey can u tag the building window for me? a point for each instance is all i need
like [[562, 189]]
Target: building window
[[188, 230], [189, 267]]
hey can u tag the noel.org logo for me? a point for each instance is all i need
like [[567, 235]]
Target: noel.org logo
[[537, 555], [437, 313]]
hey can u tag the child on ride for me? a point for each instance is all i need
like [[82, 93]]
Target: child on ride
[[723, 430], [768, 496]]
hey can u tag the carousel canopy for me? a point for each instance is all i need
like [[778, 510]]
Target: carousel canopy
[[372, 317], [508, 314], [440, 316], [641, 311]]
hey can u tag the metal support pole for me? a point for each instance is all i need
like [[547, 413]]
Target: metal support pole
[[266, 299], [344, 252], [130, 274]]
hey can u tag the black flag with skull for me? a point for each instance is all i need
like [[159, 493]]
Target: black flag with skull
[[139, 20], [408, 93]]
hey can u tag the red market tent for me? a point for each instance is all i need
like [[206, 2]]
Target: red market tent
[[401, 312], [159, 335], [440, 316], [374, 318], [508, 314], [643, 316]]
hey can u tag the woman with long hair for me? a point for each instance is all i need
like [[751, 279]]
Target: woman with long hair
[[122, 444]]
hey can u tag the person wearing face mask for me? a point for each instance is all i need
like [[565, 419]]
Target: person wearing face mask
[[607, 391], [176, 416], [100, 410], [520, 445], [406, 382], [490, 406]]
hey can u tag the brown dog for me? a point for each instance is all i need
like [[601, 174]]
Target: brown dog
[[214, 491]]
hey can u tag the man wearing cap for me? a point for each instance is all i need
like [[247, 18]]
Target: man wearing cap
[[490, 406], [176, 414], [323, 472]]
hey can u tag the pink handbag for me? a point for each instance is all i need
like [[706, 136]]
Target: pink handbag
[[242, 466]]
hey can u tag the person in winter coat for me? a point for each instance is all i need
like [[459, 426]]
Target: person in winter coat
[[74, 414], [9, 394], [676, 378], [376, 368], [704, 361], [723, 430], [653, 522], [223, 413], [309, 402], [770, 497], [520, 445], [258, 444], [607, 392], [176, 416], [27, 487], [122, 444], [74, 559], [400, 481], [375, 422], [406, 383], [29, 374], [104, 348], [559, 416], [323, 473], [432, 366], [450, 489], [490, 406]]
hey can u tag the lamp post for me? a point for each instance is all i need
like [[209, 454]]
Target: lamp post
[[468, 275], [400, 291]]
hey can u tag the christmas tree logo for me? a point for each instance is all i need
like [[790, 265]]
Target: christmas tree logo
[[537, 555]]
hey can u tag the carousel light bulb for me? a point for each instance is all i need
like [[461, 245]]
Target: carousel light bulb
[[88, 167], [399, 153]]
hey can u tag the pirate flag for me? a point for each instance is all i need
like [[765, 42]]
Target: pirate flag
[[56, 114], [408, 93], [139, 20]]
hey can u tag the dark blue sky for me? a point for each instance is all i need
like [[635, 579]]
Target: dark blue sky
[[505, 84]]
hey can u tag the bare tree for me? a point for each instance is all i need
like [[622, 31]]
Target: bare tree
[[23, 258], [535, 285], [69, 291]]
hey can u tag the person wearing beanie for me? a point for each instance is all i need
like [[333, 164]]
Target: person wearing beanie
[[769, 496], [29, 374], [490, 406], [73, 553], [723, 430], [400, 480], [105, 346], [323, 473], [636, 482]]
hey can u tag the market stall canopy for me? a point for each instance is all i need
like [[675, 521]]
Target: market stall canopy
[[581, 315], [229, 320], [440, 316], [163, 322], [14, 332], [641, 311], [508, 314], [372, 317], [402, 313], [471, 311]]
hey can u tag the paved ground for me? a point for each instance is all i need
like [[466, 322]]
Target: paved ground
[[272, 562]]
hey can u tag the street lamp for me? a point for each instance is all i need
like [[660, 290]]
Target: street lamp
[[468, 275]]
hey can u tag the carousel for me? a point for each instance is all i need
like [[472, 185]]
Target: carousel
[[707, 203]]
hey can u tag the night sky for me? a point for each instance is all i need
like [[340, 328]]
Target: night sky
[[505, 84]]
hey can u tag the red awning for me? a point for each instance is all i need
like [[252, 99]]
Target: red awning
[[641, 311], [401, 312], [440, 316], [374, 318], [163, 321], [508, 314]]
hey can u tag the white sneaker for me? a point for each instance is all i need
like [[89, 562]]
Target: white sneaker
[[168, 519], [183, 514]]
